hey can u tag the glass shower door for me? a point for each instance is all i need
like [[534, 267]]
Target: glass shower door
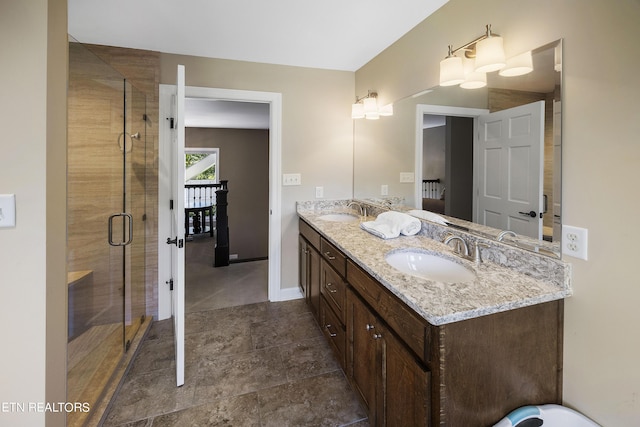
[[134, 204], [106, 159]]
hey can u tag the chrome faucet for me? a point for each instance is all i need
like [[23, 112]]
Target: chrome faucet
[[477, 258], [363, 210], [505, 233], [460, 244]]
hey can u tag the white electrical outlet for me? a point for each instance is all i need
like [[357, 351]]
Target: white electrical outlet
[[7, 210], [575, 241], [291, 179], [384, 190], [319, 192], [406, 177]]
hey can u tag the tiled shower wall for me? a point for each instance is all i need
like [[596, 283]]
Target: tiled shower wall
[[142, 69]]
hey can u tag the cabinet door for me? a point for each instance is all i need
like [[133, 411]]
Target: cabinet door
[[313, 286], [303, 272], [406, 385], [334, 289], [362, 363], [333, 331], [309, 275]]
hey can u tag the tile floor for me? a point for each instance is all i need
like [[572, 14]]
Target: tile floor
[[254, 363]]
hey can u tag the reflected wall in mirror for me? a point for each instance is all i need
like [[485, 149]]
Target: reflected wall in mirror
[[439, 137]]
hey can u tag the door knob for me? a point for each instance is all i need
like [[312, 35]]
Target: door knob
[[532, 214]]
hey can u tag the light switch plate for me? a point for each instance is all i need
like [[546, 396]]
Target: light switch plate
[[7, 210], [291, 179], [407, 177]]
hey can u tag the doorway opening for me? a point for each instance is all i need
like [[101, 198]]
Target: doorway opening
[[447, 166], [447, 191], [234, 135], [232, 144]]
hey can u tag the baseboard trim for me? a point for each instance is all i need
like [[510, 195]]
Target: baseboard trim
[[237, 261], [288, 294]]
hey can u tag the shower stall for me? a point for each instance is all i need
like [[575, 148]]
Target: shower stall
[[107, 157]]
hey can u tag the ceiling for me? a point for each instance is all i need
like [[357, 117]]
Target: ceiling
[[211, 113], [331, 34]]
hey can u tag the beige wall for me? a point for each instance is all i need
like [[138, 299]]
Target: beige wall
[[601, 162], [244, 162], [33, 51], [316, 129]]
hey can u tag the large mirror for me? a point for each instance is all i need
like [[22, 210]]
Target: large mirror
[[438, 153]]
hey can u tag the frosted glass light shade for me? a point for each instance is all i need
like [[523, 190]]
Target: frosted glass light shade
[[451, 71], [357, 111], [518, 65], [490, 55], [473, 79], [370, 109]]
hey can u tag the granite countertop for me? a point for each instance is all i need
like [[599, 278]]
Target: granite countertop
[[496, 288]]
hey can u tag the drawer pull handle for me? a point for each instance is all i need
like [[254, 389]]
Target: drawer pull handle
[[328, 285], [377, 336], [331, 257], [331, 334], [369, 327]]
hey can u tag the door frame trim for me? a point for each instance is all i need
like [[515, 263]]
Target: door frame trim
[[274, 99], [438, 110]]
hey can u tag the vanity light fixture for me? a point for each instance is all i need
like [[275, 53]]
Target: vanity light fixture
[[490, 53], [367, 107], [482, 55], [451, 69], [518, 65], [472, 79]]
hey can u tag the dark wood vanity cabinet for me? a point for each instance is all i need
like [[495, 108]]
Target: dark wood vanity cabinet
[[408, 372], [309, 268], [392, 384], [333, 291], [471, 373], [322, 270]]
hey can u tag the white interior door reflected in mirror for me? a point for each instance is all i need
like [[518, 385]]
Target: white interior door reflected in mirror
[[509, 164]]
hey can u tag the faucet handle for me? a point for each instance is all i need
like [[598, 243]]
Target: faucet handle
[[476, 252]]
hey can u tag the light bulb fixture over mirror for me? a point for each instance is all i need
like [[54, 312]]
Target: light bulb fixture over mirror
[[518, 65], [467, 65], [367, 107], [472, 79]]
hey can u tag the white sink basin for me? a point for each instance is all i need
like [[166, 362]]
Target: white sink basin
[[429, 266], [339, 217]]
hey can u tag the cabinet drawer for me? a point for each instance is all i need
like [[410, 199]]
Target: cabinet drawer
[[334, 331], [409, 326], [334, 289], [309, 233], [333, 257]]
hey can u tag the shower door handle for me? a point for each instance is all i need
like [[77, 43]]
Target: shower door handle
[[129, 220]]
